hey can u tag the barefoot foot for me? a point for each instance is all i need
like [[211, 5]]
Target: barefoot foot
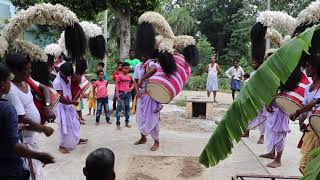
[[141, 141], [63, 150], [83, 141], [268, 156], [155, 147], [245, 134], [261, 140], [274, 164]]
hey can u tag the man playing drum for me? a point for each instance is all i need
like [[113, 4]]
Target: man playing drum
[[309, 139]]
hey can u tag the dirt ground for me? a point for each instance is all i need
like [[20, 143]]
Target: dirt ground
[[181, 142]]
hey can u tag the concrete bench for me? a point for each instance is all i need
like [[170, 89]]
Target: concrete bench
[[199, 107]]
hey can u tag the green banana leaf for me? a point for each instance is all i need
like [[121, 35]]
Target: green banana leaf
[[312, 170], [260, 90]]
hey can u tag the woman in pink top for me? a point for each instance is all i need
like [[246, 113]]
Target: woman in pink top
[[124, 86], [100, 90]]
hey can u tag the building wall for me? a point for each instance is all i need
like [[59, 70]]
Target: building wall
[[7, 10]]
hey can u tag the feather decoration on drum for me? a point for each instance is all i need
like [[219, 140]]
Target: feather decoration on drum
[[175, 69], [48, 14], [96, 41], [146, 40], [54, 50]]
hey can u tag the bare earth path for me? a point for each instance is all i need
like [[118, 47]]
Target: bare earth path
[[182, 140]]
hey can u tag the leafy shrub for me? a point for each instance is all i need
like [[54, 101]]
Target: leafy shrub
[[197, 83], [205, 52]]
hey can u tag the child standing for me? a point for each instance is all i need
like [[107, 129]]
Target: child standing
[[124, 86], [100, 90], [92, 100], [116, 73]]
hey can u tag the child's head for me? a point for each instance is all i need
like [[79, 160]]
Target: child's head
[[4, 79], [132, 54], [125, 68], [66, 70], [255, 65], [93, 81], [119, 66], [100, 66], [100, 75], [100, 165], [236, 63], [246, 76]]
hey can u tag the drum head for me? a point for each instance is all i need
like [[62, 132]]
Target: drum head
[[315, 124], [158, 93], [287, 105]]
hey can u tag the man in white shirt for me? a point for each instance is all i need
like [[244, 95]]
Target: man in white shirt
[[235, 73]]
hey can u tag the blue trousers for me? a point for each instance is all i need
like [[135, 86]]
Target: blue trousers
[[124, 102], [102, 102]]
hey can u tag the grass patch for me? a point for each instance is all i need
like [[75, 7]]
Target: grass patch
[[180, 102]]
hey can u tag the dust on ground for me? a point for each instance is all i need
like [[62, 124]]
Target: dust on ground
[[167, 167]]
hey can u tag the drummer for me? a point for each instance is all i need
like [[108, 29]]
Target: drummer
[[310, 140]]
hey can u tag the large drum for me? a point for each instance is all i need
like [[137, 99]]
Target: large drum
[[314, 121], [79, 88], [39, 101], [290, 102], [162, 87]]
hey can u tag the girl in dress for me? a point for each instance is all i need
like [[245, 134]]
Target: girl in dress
[[213, 70]]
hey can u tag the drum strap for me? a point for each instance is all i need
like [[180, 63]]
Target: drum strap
[[31, 168], [34, 87]]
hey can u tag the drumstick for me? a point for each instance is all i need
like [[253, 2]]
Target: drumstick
[[304, 109]]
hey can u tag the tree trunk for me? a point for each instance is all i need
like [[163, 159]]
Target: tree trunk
[[124, 17]]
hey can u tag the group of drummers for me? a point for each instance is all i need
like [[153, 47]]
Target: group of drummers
[[297, 98]]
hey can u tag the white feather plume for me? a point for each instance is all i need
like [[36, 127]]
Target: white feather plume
[[29, 49], [44, 13], [310, 14], [90, 29], [183, 41], [3, 46], [277, 19], [53, 49], [159, 22], [274, 36], [62, 44]]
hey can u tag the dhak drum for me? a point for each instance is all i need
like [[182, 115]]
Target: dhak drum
[[81, 88], [55, 97], [290, 102], [162, 87], [314, 121]]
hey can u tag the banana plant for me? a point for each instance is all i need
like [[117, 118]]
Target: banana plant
[[312, 170], [260, 89]]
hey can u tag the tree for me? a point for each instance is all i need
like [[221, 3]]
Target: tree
[[214, 17], [128, 11], [181, 22], [205, 52]]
